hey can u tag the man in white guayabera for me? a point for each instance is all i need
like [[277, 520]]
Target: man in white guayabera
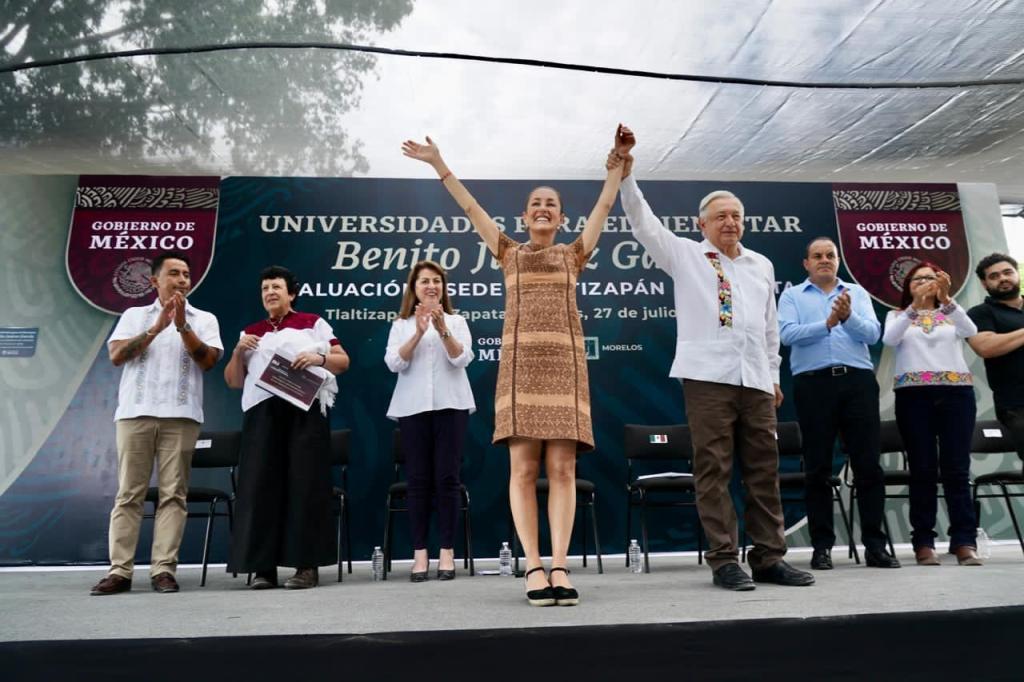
[[163, 348]]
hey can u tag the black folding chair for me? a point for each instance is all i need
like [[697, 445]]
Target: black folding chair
[[663, 444], [214, 450], [339, 458], [398, 494], [990, 438]]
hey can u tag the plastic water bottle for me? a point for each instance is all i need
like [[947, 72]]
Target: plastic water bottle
[[984, 545], [505, 560], [636, 565], [377, 563]]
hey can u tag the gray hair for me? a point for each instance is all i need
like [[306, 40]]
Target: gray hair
[[719, 194]]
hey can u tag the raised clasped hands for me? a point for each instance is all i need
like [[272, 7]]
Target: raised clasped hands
[[428, 153], [624, 142]]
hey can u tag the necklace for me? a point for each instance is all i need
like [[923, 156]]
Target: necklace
[[274, 324]]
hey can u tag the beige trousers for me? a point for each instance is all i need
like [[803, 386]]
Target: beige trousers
[[140, 442]]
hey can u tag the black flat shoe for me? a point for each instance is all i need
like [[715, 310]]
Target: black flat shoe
[[418, 577], [565, 596], [821, 560], [879, 558], [446, 574], [542, 597], [782, 573], [731, 577]]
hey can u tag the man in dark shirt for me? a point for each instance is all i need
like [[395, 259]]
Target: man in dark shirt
[[1000, 341]]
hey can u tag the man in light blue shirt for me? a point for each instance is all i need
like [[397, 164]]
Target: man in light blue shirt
[[829, 324]]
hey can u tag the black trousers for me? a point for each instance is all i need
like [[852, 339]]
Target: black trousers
[[432, 447], [828, 406], [1013, 419], [283, 515]]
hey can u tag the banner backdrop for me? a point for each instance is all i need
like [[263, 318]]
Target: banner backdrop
[[351, 243]]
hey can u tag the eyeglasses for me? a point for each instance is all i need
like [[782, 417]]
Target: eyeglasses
[[923, 278]]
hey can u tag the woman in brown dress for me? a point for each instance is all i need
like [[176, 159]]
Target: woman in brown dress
[[542, 403]]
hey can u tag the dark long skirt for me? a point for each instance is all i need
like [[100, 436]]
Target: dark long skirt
[[283, 515]]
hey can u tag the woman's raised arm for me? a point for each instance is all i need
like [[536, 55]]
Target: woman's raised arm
[[624, 141], [482, 223]]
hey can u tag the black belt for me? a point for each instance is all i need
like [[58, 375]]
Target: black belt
[[837, 371]]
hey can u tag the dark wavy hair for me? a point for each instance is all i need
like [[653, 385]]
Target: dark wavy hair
[[990, 260], [907, 297], [281, 272]]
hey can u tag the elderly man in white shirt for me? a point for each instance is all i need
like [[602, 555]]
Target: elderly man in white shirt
[[727, 357], [159, 411]]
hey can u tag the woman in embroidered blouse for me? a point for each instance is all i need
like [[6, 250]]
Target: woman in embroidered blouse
[[934, 402], [429, 348], [542, 401], [283, 515]]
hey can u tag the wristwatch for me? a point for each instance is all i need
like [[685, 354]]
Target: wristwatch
[[184, 328], [446, 334]]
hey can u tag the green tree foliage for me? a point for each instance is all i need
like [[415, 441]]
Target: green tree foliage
[[265, 111]]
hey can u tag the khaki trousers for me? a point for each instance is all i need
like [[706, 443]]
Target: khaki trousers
[[725, 419], [140, 442]]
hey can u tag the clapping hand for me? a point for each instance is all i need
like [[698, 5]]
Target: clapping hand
[[841, 306], [167, 313], [428, 153], [437, 318], [942, 286], [179, 309], [422, 313]]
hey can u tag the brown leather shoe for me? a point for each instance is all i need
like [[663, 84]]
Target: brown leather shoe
[[164, 582], [967, 556], [303, 579], [112, 584], [926, 556]]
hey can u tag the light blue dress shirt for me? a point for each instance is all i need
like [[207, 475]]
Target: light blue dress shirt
[[803, 309]]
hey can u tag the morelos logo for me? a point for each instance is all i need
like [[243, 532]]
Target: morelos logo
[[120, 223], [885, 230]]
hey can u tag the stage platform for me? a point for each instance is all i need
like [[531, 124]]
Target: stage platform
[[49, 619]]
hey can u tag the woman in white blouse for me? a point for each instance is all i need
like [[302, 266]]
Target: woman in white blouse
[[429, 348], [935, 409]]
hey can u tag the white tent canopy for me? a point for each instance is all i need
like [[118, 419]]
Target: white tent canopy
[[297, 110]]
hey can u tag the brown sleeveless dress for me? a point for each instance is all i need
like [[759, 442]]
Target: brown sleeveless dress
[[542, 390]]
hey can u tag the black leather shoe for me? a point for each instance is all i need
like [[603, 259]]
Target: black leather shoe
[[879, 558], [303, 579], [565, 596], [783, 574], [418, 577], [545, 596], [732, 577], [446, 574], [821, 560]]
